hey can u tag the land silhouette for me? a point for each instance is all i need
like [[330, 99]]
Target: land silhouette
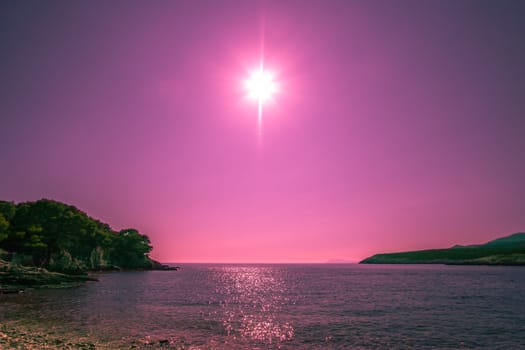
[[50, 243], [508, 250]]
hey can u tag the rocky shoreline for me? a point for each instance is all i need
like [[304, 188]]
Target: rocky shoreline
[[15, 278], [20, 337], [23, 337]]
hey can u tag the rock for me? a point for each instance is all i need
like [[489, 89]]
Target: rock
[[15, 278], [155, 265]]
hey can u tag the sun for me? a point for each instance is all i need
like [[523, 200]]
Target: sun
[[261, 85]]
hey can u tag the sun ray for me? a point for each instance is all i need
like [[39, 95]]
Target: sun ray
[[261, 87]]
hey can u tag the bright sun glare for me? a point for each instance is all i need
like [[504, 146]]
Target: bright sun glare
[[261, 85]]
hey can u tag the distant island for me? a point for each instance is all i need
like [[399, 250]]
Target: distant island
[[509, 250], [49, 243], [340, 261]]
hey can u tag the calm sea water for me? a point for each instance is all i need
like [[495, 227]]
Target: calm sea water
[[292, 307]]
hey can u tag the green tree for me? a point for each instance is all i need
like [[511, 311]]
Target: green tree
[[7, 209], [61, 237], [7, 212], [4, 227], [130, 249]]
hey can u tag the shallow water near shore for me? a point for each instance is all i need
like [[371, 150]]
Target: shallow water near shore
[[205, 306]]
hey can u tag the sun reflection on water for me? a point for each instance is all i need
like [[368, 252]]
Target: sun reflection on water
[[252, 297]]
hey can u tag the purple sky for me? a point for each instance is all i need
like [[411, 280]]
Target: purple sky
[[399, 125]]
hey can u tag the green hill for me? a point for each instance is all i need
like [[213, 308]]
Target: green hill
[[509, 250]]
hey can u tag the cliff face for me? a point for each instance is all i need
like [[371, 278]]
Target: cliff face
[[509, 250]]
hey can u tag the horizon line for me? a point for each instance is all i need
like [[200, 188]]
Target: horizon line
[[265, 263]]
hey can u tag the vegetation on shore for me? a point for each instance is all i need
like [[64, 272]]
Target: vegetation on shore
[[47, 242], [509, 250]]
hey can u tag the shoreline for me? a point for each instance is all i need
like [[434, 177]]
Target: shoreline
[[15, 278], [17, 335]]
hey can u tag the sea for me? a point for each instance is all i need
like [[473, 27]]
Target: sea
[[289, 306]]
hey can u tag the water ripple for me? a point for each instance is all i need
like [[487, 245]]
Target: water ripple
[[290, 307]]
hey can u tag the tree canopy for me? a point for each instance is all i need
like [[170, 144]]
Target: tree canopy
[[61, 237]]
